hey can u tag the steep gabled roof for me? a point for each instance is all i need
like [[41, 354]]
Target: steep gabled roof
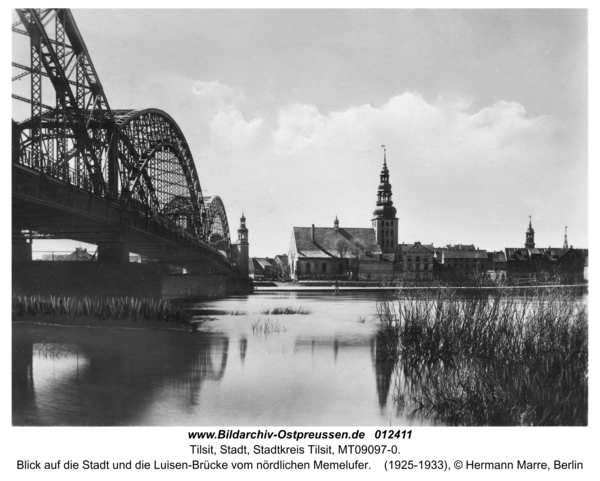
[[327, 239], [264, 262], [523, 254], [282, 258], [406, 248]]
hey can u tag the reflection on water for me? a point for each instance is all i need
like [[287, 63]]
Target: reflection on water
[[318, 369]]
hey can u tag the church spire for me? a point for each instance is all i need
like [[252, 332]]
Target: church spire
[[384, 192], [384, 219], [566, 244]]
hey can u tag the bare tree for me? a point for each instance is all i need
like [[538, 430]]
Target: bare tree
[[283, 270], [342, 246], [357, 248]]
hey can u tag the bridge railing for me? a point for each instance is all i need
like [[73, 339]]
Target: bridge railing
[[68, 174], [55, 193]]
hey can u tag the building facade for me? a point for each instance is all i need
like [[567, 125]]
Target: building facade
[[461, 261]]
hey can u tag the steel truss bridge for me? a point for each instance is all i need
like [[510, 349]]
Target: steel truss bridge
[[84, 171]]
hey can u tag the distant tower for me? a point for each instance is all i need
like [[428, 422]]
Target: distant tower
[[336, 223], [243, 247], [565, 244], [529, 233], [384, 219]]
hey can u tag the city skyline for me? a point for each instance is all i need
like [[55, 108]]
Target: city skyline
[[483, 113]]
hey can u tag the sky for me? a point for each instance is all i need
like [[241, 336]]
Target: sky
[[483, 114]]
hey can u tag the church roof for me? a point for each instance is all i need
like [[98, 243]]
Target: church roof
[[327, 241]]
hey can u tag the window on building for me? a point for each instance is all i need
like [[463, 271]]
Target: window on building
[[308, 267], [324, 268]]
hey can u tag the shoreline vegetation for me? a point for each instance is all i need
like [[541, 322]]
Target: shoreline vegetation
[[99, 311], [287, 310], [492, 358]]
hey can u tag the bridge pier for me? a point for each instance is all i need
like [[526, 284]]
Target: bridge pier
[[115, 252], [21, 247]]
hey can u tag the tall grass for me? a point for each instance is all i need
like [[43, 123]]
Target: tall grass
[[491, 358], [131, 308]]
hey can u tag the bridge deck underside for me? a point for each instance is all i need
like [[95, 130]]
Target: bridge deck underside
[[54, 209]]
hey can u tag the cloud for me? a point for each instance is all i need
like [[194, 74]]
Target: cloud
[[215, 93], [308, 166]]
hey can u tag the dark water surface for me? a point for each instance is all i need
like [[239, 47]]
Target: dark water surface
[[302, 370]]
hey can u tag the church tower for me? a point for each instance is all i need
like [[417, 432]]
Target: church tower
[[529, 233], [384, 219], [565, 243], [243, 247]]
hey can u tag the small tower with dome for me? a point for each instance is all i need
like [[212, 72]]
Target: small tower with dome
[[529, 236], [242, 257]]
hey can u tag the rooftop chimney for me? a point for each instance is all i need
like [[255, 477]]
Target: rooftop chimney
[[312, 233]]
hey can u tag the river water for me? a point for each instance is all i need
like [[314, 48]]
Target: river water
[[242, 367]]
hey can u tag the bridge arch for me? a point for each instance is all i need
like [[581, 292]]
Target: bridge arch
[[155, 170], [217, 226]]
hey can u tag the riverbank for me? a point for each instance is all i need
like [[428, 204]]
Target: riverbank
[[95, 323], [289, 287]]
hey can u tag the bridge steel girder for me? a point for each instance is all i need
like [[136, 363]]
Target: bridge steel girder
[[156, 167], [51, 207], [51, 54], [134, 162], [217, 226]]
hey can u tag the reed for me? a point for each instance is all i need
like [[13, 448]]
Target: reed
[[490, 358], [267, 326], [286, 310], [101, 307]]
